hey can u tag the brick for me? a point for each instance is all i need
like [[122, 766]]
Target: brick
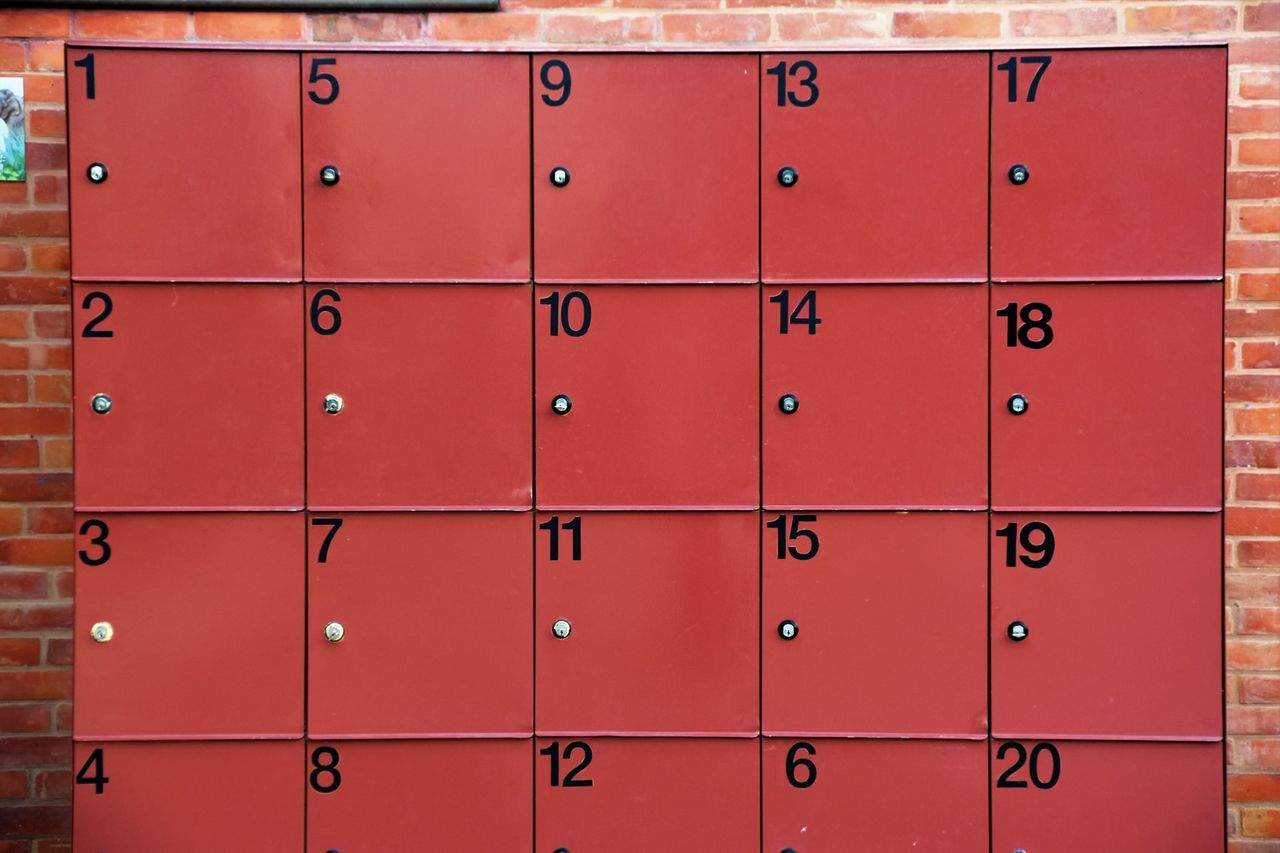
[[599, 29], [1253, 185], [1180, 19], [1259, 355], [25, 718], [33, 290], [52, 785], [1260, 690], [60, 652], [36, 820], [13, 389], [47, 122], [51, 845], [1244, 588], [248, 26], [1260, 85], [1253, 653], [50, 356], [1262, 16], [1258, 254], [1253, 454], [953, 25], [1260, 219], [52, 388], [64, 585], [810, 4], [1252, 387], [1263, 752], [55, 453], [10, 520], [52, 324], [44, 88], [1062, 22], [13, 784], [13, 56], [45, 56], [160, 26], [51, 189], [13, 324], [1253, 719], [1258, 553], [1258, 285], [63, 716], [1253, 119], [828, 26], [19, 651], [32, 617], [1252, 322], [35, 420], [481, 26], [23, 453], [13, 193], [35, 551], [720, 27], [47, 155], [1262, 151], [34, 22], [378, 27], [1253, 787], [1260, 823], [34, 223], [1253, 521], [46, 486], [1257, 487], [13, 257], [665, 4]]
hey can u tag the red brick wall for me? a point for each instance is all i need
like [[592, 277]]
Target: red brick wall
[[35, 453]]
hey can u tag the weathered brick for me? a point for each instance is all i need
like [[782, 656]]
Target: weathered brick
[[946, 25]]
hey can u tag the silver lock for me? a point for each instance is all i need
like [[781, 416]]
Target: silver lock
[[1019, 174], [561, 404], [787, 629], [329, 175], [788, 176], [333, 404], [334, 632], [97, 173], [100, 403], [1018, 631], [1017, 404], [559, 176], [560, 629], [788, 403], [102, 632]]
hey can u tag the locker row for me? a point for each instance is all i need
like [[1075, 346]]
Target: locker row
[[1103, 397], [622, 795], [681, 623], [824, 167]]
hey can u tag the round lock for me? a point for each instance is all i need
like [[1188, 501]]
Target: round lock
[[561, 629], [97, 172], [100, 403], [334, 632], [559, 176], [1019, 175], [329, 175], [561, 404], [788, 850], [1017, 404], [561, 850], [788, 176], [787, 629], [788, 403], [1018, 631], [333, 404], [102, 632]]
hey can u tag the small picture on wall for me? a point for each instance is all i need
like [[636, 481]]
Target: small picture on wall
[[13, 130]]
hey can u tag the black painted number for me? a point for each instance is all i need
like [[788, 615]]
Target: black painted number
[[1037, 771], [806, 77], [99, 779], [1011, 68], [805, 313], [574, 525], [324, 762], [334, 525], [1028, 325], [90, 83], [91, 329], [795, 533], [810, 769], [561, 83], [318, 76], [562, 312], [570, 780], [1034, 537], [99, 529], [325, 319]]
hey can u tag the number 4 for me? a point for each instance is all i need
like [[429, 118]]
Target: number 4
[[99, 779]]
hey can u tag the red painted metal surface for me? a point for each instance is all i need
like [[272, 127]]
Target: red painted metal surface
[[469, 796], [891, 159], [201, 151], [1124, 406], [433, 157], [194, 601], [891, 613], [1111, 796], [425, 599], [892, 389], [664, 387], [648, 794], [1125, 150], [661, 154], [917, 795], [1124, 629], [663, 609], [435, 388], [206, 389], [226, 795]]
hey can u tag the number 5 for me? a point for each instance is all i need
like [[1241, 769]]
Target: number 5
[[317, 76]]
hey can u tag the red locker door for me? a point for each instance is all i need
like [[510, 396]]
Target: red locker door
[[187, 397], [430, 160], [1106, 397], [873, 624], [404, 603], [418, 397], [873, 167], [646, 623], [1121, 629], [638, 795], [1107, 164], [1066, 797], [188, 625], [832, 796], [647, 398], [882, 405], [228, 795], [644, 168], [184, 165], [455, 795]]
